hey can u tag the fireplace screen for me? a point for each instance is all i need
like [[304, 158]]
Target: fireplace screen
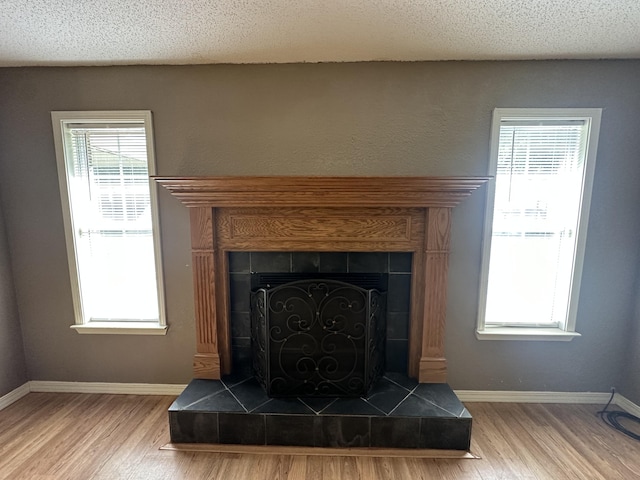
[[318, 336]]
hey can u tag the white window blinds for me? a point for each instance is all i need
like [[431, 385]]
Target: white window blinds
[[539, 180], [109, 195]]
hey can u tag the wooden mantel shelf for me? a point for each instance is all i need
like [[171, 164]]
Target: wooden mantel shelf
[[321, 191], [288, 213]]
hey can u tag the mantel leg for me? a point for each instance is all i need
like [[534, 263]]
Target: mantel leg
[[206, 362], [433, 365]]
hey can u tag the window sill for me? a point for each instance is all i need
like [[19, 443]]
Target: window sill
[[530, 334], [121, 328]]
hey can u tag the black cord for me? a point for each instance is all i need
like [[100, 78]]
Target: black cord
[[611, 418]]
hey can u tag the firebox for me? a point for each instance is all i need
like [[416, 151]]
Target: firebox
[[318, 336]]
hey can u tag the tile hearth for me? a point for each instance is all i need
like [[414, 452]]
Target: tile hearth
[[397, 413]]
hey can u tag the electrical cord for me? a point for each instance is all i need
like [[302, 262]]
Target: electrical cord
[[612, 417]]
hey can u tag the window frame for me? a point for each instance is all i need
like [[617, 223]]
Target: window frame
[[144, 118], [514, 332]]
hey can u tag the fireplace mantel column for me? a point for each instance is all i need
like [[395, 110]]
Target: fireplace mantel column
[[433, 365], [206, 362]]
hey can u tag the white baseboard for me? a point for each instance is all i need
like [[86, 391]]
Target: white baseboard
[[464, 395], [627, 405], [579, 398], [498, 396], [107, 388], [14, 395]]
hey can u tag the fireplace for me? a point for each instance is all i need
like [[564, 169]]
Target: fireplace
[[323, 214], [403, 219]]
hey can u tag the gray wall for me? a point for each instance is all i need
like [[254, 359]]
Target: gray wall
[[13, 368], [323, 119]]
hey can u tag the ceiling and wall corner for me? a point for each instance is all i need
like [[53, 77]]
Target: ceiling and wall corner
[[121, 32]]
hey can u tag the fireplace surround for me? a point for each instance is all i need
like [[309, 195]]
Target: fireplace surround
[[323, 214]]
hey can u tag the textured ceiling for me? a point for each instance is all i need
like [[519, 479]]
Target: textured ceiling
[[113, 32]]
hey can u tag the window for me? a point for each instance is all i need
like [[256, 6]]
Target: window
[[110, 216], [542, 161]]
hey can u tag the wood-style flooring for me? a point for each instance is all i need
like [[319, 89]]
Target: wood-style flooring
[[112, 437]]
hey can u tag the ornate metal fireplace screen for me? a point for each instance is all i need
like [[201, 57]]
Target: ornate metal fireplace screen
[[318, 337]]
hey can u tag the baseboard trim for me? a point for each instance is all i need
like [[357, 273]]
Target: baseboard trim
[[583, 398], [494, 396], [498, 396], [627, 405], [107, 388], [14, 395]]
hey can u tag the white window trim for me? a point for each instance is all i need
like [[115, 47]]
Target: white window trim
[[59, 118], [593, 115], [126, 328]]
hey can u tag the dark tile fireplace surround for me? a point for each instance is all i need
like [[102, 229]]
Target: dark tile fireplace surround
[[397, 265], [399, 226]]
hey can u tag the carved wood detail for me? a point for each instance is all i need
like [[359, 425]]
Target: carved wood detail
[[341, 227], [410, 214], [320, 229]]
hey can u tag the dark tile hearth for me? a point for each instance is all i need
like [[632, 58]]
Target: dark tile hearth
[[397, 413]]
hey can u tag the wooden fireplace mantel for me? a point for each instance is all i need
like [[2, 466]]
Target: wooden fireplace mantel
[[285, 213]]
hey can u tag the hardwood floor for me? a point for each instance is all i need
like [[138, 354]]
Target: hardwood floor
[[112, 437]]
